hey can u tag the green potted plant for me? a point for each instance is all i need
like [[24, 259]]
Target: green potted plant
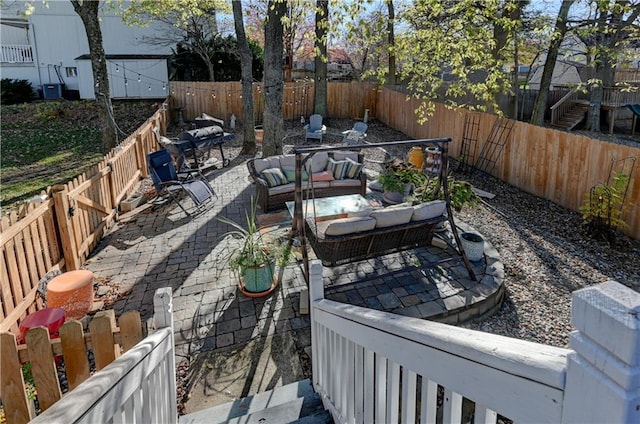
[[460, 193], [251, 257], [398, 180]]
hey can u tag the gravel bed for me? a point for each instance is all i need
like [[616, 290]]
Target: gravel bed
[[545, 252]]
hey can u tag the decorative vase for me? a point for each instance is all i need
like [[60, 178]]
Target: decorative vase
[[473, 246], [415, 157], [258, 279]]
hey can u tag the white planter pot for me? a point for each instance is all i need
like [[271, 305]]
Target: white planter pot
[[473, 246]]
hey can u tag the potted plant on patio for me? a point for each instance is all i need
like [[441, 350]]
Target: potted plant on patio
[[398, 180], [251, 257]]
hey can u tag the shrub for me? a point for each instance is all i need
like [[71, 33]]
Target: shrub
[[603, 207], [16, 91]]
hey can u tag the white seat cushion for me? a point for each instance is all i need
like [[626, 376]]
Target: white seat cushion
[[345, 183], [340, 155], [318, 162], [388, 217], [266, 163], [342, 226], [428, 210], [288, 162], [285, 188]]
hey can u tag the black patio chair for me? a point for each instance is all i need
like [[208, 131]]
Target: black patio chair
[[168, 182]]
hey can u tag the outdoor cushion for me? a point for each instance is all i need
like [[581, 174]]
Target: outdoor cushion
[[342, 226], [361, 213], [337, 168], [291, 175], [266, 163], [274, 177], [353, 169], [428, 210], [288, 162], [345, 183], [318, 162], [322, 176], [284, 188], [342, 155], [388, 217]]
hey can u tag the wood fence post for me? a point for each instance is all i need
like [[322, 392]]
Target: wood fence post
[[63, 215], [140, 156], [602, 373], [163, 318]]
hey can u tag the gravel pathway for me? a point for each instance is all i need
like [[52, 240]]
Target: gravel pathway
[[544, 250]]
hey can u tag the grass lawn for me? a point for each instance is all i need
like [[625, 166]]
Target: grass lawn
[[46, 143]]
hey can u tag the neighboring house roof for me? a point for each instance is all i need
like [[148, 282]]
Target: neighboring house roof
[[564, 73]]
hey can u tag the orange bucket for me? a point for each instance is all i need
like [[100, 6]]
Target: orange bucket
[[73, 292]]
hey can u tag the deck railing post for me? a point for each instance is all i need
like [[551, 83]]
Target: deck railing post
[[316, 293], [602, 382], [163, 318]]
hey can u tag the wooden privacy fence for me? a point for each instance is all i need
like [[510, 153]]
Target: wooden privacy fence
[[60, 232], [106, 340], [223, 99], [556, 165]]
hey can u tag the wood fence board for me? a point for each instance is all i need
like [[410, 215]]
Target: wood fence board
[[14, 397], [39, 253], [7, 297], [43, 367], [75, 353], [102, 341], [130, 329], [30, 255], [12, 266]]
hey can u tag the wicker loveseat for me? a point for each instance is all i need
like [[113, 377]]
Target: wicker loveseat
[[264, 173], [379, 232]]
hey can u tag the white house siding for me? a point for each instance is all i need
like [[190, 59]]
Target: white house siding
[[123, 78], [58, 38]]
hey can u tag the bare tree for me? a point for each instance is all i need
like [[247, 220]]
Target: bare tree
[[246, 61], [88, 12], [391, 39], [322, 24], [540, 104], [273, 83], [612, 27]]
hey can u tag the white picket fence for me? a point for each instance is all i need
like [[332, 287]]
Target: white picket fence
[[370, 366], [138, 387]]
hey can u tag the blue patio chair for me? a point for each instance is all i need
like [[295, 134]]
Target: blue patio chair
[[315, 129], [168, 183], [356, 134]]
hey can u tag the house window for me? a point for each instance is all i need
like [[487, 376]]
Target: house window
[[72, 71]]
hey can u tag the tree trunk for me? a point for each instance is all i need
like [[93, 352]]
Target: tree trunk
[[273, 84], [246, 64], [391, 40], [88, 12], [322, 17], [540, 104], [512, 13]]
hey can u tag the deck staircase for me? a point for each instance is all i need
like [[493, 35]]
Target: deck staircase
[[573, 116], [294, 403]]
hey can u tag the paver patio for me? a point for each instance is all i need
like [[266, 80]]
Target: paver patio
[[224, 335]]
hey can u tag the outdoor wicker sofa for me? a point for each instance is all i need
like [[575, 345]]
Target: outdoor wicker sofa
[[363, 237], [271, 197]]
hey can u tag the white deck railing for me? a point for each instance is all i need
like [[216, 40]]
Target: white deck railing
[[16, 53], [139, 387], [370, 366]]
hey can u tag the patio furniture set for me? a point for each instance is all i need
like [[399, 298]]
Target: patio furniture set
[[341, 225]]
